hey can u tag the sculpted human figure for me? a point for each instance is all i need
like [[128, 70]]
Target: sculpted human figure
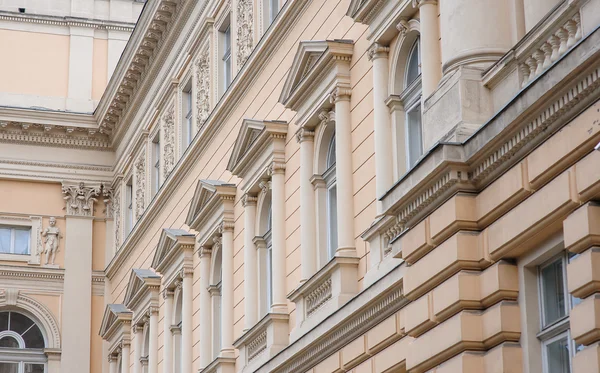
[[51, 237]]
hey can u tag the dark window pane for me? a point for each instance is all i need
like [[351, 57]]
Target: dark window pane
[[9, 342], [557, 355], [3, 321], [34, 338], [553, 294], [9, 368], [19, 323], [34, 368]]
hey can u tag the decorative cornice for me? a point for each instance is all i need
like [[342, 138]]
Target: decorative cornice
[[66, 21], [53, 135]]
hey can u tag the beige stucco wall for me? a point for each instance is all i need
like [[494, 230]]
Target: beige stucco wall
[[39, 63], [99, 68]]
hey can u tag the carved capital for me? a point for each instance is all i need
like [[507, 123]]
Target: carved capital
[[167, 293], [377, 51], [327, 116], [217, 242], [112, 358], [226, 226], [108, 198], [249, 200], [420, 3], [265, 186], [402, 26], [340, 94], [178, 284], [187, 271], [204, 251], [276, 168], [152, 310], [304, 134], [80, 198]]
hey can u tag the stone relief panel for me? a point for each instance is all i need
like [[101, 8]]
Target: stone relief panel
[[245, 31], [202, 88], [116, 209], [140, 185], [168, 127]]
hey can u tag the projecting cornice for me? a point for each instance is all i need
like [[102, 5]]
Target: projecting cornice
[[172, 243], [142, 291], [211, 205], [66, 21], [116, 322]]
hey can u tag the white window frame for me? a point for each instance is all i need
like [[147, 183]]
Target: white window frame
[[22, 355], [331, 186], [34, 224], [13, 236], [155, 186], [129, 206], [225, 49], [187, 120], [559, 328], [411, 98]]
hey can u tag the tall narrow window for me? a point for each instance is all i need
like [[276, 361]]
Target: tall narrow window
[[226, 57], [155, 164], [412, 104], [330, 182], [555, 305], [268, 240], [129, 206], [187, 124]]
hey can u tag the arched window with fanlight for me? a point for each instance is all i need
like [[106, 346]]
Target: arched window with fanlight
[[21, 344], [264, 245], [411, 98]]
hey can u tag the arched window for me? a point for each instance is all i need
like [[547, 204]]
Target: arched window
[[412, 105], [19, 332], [177, 321], [146, 348], [330, 183], [215, 296]]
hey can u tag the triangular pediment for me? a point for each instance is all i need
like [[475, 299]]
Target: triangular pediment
[[208, 194], [114, 314], [169, 242], [253, 138], [139, 281], [312, 57]]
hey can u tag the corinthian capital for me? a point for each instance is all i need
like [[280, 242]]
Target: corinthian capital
[[80, 198]]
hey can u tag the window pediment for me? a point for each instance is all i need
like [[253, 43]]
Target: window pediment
[[171, 243], [142, 289], [257, 142], [211, 204], [317, 68], [115, 322]]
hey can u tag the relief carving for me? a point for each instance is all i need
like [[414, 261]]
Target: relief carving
[[203, 88], [169, 136], [140, 182], [80, 199], [116, 207], [244, 31]]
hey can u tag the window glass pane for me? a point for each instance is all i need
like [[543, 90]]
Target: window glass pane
[[557, 356], [553, 296], [22, 241], [9, 342], [3, 321], [34, 368], [415, 144], [331, 153], [4, 240], [33, 338], [9, 368], [19, 323], [332, 215], [413, 70], [269, 277]]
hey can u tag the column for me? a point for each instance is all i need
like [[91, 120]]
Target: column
[[308, 253], [227, 290], [250, 262], [138, 332], [186, 318], [81, 54], [153, 344], [343, 169], [167, 336], [381, 118], [431, 61], [205, 330], [77, 300], [112, 364], [125, 354], [277, 171]]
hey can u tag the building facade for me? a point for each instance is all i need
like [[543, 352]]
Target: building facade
[[304, 186]]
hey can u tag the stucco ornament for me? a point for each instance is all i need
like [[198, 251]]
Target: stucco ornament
[[80, 199], [244, 31], [140, 180], [116, 207], [51, 238], [169, 136], [203, 88]]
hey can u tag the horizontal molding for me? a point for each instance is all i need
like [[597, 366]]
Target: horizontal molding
[[66, 21]]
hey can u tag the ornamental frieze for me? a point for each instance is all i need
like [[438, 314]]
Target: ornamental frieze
[[244, 31], [202, 88], [168, 126]]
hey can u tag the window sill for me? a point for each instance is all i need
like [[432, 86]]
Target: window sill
[[324, 293], [263, 341], [27, 258]]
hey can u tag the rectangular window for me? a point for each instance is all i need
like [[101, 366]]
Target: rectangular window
[[226, 56], [188, 128], [14, 240], [555, 305], [414, 135], [129, 206], [155, 165]]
